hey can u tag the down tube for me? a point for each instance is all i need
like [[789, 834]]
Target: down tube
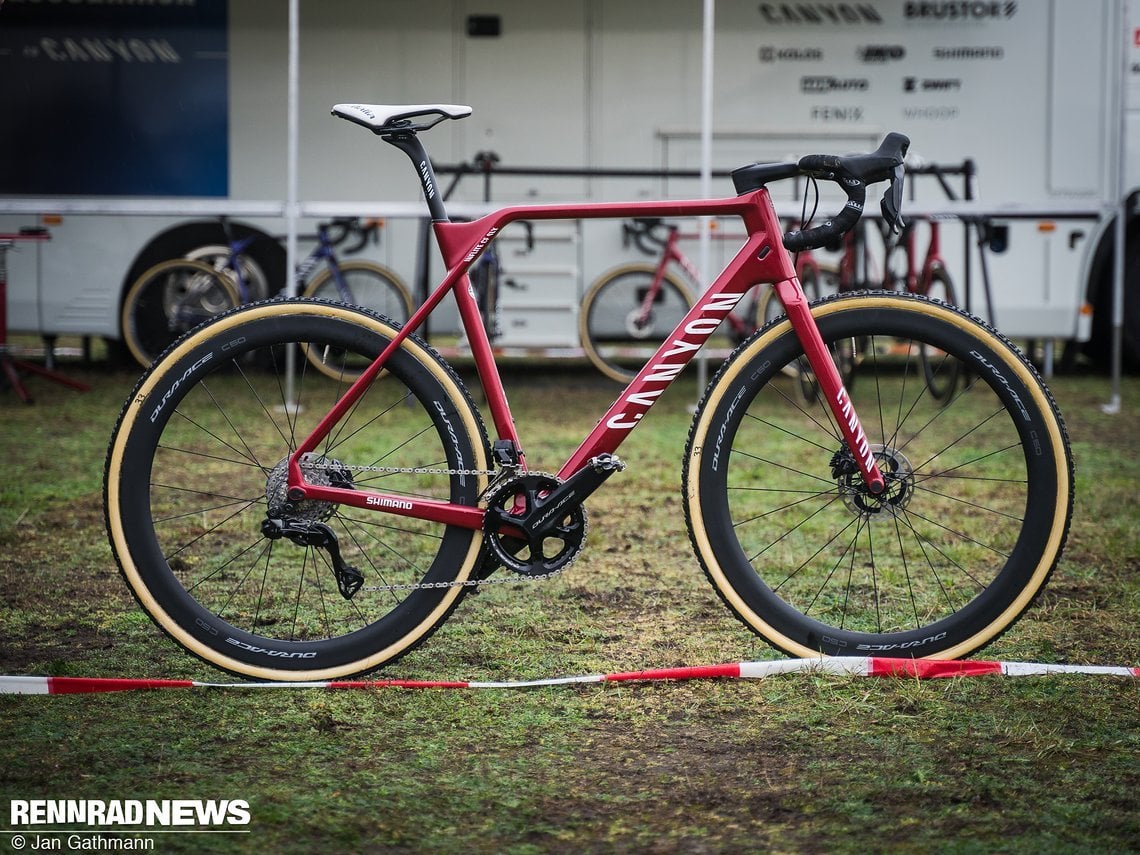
[[756, 262]]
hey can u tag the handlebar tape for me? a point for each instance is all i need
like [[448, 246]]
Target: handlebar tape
[[834, 228], [853, 174]]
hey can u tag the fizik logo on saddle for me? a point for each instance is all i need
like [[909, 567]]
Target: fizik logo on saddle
[[637, 404]]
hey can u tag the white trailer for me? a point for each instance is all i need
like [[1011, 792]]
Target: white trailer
[[1044, 97]]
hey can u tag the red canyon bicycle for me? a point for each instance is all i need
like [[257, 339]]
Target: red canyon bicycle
[[281, 524]]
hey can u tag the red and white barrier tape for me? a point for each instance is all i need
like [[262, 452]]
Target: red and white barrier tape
[[854, 666]]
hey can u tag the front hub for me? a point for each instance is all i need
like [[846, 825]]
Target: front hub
[[898, 478]]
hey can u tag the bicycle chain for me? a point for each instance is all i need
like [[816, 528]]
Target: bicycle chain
[[495, 477]]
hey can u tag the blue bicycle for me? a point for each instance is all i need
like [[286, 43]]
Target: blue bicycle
[[176, 295]]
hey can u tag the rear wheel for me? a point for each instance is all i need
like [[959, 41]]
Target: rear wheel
[[218, 257], [978, 499], [170, 299], [211, 545], [622, 324]]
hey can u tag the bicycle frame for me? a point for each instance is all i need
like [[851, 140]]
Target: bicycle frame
[[323, 251], [237, 247], [762, 259]]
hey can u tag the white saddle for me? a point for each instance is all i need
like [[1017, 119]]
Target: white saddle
[[384, 117]]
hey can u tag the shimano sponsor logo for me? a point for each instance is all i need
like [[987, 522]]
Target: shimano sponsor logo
[[386, 502], [961, 10], [771, 53], [277, 654], [820, 84], [917, 84], [880, 53], [820, 13], [966, 53], [176, 384]]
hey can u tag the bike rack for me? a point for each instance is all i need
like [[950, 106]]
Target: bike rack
[[8, 363], [978, 229]]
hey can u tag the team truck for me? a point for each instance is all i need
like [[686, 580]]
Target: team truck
[[1042, 98]]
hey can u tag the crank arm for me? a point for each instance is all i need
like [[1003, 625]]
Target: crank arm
[[571, 493]]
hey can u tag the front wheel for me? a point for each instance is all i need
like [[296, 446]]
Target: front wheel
[[218, 554], [974, 518], [624, 320]]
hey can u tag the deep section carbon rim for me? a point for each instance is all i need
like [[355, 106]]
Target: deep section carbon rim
[[197, 467], [972, 522]]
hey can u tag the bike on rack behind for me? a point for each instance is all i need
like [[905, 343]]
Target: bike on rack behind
[[629, 310], [176, 295]]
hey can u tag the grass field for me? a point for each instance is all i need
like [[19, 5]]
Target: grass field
[[787, 764]]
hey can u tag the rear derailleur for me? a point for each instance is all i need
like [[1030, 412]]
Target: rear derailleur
[[319, 535]]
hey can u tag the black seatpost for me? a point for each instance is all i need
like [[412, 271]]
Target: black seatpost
[[407, 142]]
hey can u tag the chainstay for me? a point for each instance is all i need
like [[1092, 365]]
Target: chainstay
[[464, 583]]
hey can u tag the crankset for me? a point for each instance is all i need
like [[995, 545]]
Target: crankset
[[535, 525]]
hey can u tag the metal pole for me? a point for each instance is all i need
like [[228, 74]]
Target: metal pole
[[291, 191], [291, 194], [1113, 405], [704, 246]]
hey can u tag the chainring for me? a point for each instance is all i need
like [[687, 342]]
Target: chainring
[[537, 546]]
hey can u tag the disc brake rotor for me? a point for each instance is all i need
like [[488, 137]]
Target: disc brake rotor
[[898, 475]]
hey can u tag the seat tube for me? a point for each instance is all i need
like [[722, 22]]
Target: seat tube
[[830, 381]]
